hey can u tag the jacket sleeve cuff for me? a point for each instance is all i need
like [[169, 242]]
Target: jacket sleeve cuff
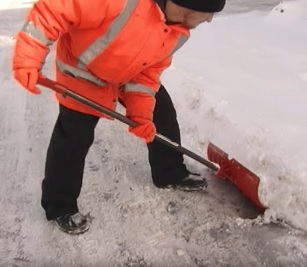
[[28, 53]]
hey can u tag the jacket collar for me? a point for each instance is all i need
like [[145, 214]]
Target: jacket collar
[[177, 26]]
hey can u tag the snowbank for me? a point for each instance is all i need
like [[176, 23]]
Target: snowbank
[[241, 83]]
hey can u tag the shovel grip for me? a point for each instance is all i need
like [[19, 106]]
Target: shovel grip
[[89, 103]]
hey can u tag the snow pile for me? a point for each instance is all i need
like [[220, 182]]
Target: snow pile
[[241, 83]]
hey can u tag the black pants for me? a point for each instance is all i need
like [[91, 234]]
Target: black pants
[[71, 139]]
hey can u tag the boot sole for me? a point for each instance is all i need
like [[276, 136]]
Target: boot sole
[[77, 231]]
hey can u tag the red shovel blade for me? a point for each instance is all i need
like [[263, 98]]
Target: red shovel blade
[[245, 180]]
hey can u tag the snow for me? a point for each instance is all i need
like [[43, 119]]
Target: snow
[[248, 96], [240, 82]]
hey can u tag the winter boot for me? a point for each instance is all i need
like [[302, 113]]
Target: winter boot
[[192, 182], [73, 224]]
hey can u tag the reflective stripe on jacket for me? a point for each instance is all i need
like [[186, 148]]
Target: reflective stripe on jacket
[[102, 45]]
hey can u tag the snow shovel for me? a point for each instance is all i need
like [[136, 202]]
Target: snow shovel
[[246, 181]]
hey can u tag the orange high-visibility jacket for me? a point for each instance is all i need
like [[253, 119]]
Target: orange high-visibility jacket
[[106, 49]]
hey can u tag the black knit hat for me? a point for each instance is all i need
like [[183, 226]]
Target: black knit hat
[[210, 6]]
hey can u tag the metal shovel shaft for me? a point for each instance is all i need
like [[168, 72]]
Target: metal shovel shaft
[[159, 137]]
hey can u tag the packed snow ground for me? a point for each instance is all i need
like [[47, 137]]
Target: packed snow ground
[[241, 83]]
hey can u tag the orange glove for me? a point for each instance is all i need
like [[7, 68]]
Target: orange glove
[[27, 77], [145, 129]]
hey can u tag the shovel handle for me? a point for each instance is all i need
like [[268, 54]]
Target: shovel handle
[[159, 137]]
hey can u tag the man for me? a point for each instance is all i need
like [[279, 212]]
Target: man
[[107, 51]]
